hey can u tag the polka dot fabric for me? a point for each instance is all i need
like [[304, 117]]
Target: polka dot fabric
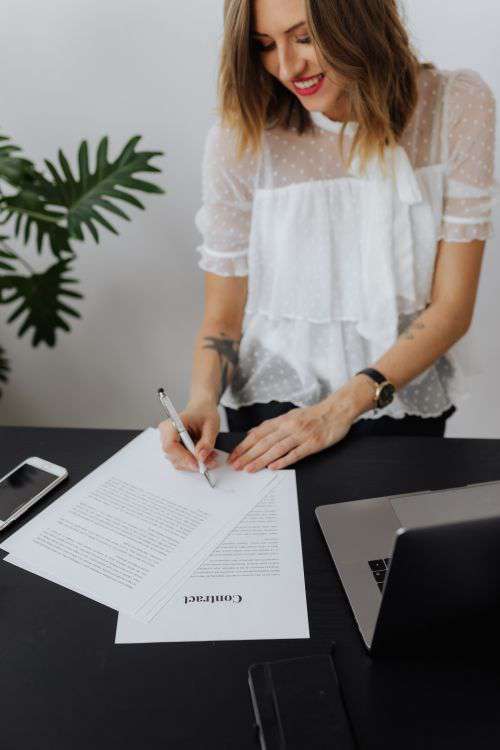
[[224, 219], [470, 143], [339, 262]]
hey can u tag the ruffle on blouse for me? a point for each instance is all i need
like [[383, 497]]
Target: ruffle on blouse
[[271, 370], [386, 231], [475, 223], [387, 241], [214, 222], [223, 264], [388, 222]]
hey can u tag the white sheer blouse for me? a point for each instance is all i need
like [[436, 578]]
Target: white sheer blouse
[[339, 263]]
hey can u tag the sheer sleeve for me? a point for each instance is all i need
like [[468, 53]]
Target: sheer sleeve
[[224, 218], [470, 188]]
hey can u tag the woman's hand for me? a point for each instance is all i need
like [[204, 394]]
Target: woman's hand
[[202, 421], [279, 442]]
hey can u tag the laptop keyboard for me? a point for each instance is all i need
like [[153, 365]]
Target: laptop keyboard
[[379, 570]]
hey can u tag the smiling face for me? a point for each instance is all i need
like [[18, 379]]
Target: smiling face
[[286, 51]]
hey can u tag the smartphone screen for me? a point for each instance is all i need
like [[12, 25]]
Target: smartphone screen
[[19, 487]]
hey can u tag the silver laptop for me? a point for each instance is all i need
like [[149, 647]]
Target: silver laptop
[[408, 559]]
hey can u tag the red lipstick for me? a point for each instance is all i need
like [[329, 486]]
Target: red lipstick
[[312, 89]]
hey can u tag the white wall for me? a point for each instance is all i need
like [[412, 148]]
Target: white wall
[[86, 68]]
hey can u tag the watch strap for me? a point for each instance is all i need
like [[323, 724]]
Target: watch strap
[[378, 379], [375, 375]]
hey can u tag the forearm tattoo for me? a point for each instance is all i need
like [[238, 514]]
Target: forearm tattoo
[[228, 351], [409, 333]]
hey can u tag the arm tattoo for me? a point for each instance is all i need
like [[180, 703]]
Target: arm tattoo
[[228, 351], [417, 326]]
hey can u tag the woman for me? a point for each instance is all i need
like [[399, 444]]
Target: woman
[[347, 199]]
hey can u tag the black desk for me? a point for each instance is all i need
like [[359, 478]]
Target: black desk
[[64, 684]]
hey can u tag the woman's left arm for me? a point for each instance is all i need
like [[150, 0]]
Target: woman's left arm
[[279, 442]]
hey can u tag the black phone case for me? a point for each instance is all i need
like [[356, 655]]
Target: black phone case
[[298, 704]]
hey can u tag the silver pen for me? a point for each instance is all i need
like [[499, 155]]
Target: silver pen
[[183, 433]]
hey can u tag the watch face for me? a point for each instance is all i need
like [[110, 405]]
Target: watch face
[[386, 395]]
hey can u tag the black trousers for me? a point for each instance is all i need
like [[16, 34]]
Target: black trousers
[[246, 417]]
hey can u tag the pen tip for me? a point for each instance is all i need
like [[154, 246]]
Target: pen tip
[[160, 391], [209, 479]]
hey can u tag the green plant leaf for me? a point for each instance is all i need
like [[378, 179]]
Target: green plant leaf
[[4, 368], [32, 212], [15, 170], [89, 195], [6, 256], [87, 199], [39, 297]]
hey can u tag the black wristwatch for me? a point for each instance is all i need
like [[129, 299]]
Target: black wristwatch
[[384, 390]]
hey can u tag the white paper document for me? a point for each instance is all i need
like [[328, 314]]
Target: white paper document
[[135, 528], [250, 587]]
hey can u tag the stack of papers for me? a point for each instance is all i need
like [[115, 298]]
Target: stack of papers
[[178, 559]]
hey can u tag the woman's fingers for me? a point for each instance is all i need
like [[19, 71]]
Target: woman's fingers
[[205, 445], [282, 448], [301, 451], [266, 430], [258, 449], [174, 450], [284, 440]]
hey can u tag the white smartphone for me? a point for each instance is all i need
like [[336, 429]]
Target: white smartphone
[[24, 485]]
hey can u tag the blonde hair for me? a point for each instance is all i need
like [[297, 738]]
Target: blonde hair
[[364, 41]]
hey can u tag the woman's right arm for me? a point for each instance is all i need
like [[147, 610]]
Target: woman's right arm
[[215, 359], [224, 221]]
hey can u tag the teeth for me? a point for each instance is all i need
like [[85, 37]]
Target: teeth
[[308, 84]]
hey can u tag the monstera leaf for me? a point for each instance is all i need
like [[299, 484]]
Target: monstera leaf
[[60, 207], [32, 211], [7, 258], [39, 297], [90, 193], [4, 368], [56, 206], [14, 169], [29, 204]]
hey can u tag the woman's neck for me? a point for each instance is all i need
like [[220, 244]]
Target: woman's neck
[[340, 111]]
